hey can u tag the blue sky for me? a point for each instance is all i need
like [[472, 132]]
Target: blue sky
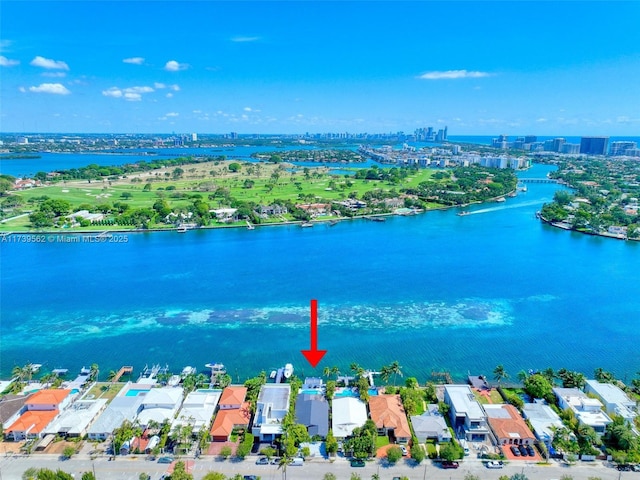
[[481, 68]]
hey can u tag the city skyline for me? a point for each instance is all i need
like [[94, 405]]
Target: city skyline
[[551, 68]]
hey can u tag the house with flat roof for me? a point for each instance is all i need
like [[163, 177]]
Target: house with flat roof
[[615, 401], [271, 408], [120, 409], [227, 420], [312, 411], [347, 414], [160, 404], [509, 428], [543, 420], [468, 419], [390, 418], [587, 410], [197, 410], [75, 420], [431, 425]]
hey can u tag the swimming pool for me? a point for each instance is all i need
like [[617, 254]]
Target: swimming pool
[[312, 391], [208, 390], [134, 392], [353, 392], [74, 391]]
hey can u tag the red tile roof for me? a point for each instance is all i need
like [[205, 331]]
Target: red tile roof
[[33, 421], [513, 427], [49, 397], [233, 396], [387, 412], [227, 419]]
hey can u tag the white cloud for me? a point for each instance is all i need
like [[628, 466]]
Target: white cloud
[[247, 109], [22, 89], [114, 92], [54, 88], [54, 74], [173, 66], [48, 63], [159, 85], [132, 97], [138, 90], [5, 44], [134, 60], [453, 74], [174, 87], [5, 62], [172, 114], [244, 39], [541, 120], [169, 95]]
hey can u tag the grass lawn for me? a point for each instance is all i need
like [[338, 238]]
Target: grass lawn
[[382, 441], [270, 183], [111, 391]]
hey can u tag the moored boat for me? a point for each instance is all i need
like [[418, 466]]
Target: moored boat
[[288, 370]]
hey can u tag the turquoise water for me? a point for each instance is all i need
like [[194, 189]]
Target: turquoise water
[[207, 390], [75, 390], [135, 392], [435, 292]]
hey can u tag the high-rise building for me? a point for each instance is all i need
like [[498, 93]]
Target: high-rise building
[[594, 145], [621, 148], [530, 139], [557, 144], [194, 137]]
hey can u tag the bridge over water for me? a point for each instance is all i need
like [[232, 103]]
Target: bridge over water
[[537, 180]]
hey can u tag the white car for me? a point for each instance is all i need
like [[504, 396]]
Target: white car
[[495, 464], [404, 450]]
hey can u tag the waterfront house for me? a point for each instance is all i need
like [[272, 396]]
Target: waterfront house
[[271, 408], [75, 420], [11, 407], [431, 425], [467, 416], [160, 404], [232, 397], [615, 401], [229, 419], [121, 408], [197, 410], [41, 408], [508, 426], [268, 210], [312, 411], [347, 414], [543, 420], [587, 410], [390, 418]]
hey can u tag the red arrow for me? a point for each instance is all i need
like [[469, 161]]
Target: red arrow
[[314, 355]]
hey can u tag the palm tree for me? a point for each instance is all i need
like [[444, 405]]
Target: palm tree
[[499, 374], [396, 369], [283, 463], [522, 375], [94, 372], [17, 373], [112, 376], [385, 373]]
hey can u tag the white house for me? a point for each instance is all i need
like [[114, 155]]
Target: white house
[[587, 410], [615, 401], [272, 406], [431, 425], [347, 414], [467, 416], [160, 404], [120, 409], [197, 410], [543, 420], [76, 419]]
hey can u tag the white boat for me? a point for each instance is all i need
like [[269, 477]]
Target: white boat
[[35, 367], [306, 224], [188, 370], [273, 374], [288, 370], [500, 199], [216, 367]]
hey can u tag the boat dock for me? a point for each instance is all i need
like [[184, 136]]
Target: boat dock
[[123, 370]]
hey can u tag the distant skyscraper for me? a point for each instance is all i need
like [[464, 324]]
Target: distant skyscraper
[[194, 137], [530, 139], [594, 145], [621, 148], [557, 144]]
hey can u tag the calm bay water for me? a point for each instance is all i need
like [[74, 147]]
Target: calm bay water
[[434, 291]]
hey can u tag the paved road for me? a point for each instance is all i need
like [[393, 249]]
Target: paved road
[[11, 468]]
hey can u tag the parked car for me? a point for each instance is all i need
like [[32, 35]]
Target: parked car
[[514, 450], [404, 450], [250, 477], [297, 462], [530, 451], [356, 462], [494, 464], [262, 461], [275, 461], [165, 460], [523, 450], [449, 464]]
